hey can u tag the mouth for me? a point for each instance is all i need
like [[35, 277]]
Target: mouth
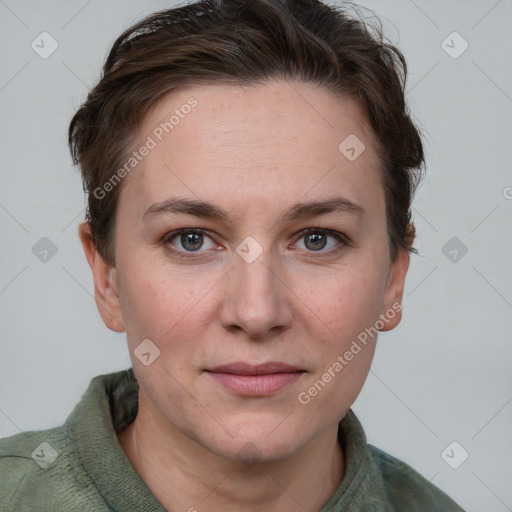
[[255, 380]]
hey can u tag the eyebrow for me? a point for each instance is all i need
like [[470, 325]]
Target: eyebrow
[[207, 210]]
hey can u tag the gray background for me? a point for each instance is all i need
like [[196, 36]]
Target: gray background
[[442, 376]]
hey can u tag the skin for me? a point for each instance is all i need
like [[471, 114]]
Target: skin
[[253, 151]]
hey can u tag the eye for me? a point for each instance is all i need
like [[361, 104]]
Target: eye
[[191, 240], [316, 239]]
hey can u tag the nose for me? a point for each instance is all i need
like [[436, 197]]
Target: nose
[[257, 299]]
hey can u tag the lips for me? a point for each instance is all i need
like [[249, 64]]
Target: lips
[[248, 380], [239, 368]]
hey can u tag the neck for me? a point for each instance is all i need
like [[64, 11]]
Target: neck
[[203, 481]]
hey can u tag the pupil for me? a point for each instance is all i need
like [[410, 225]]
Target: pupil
[[191, 238], [317, 242]]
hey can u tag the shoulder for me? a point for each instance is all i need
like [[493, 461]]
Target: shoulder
[[408, 490], [27, 463], [37, 473]]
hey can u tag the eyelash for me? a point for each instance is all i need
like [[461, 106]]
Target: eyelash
[[343, 239]]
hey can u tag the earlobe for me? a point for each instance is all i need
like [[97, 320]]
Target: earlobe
[[105, 282]]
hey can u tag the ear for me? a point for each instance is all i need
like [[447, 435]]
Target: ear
[[395, 286], [105, 283]]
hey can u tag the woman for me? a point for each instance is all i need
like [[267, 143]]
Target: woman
[[250, 169]]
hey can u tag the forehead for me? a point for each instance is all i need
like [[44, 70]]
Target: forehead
[[259, 143]]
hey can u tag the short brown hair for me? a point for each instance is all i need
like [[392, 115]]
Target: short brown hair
[[246, 42]]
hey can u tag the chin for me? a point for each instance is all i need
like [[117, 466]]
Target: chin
[[252, 453], [253, 444]]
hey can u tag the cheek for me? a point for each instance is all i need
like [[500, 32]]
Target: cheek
[[164, 305], [346, 301], [342, 359], [348, 306], [331, 393]]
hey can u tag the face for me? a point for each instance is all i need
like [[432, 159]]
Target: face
[[256, 310]]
